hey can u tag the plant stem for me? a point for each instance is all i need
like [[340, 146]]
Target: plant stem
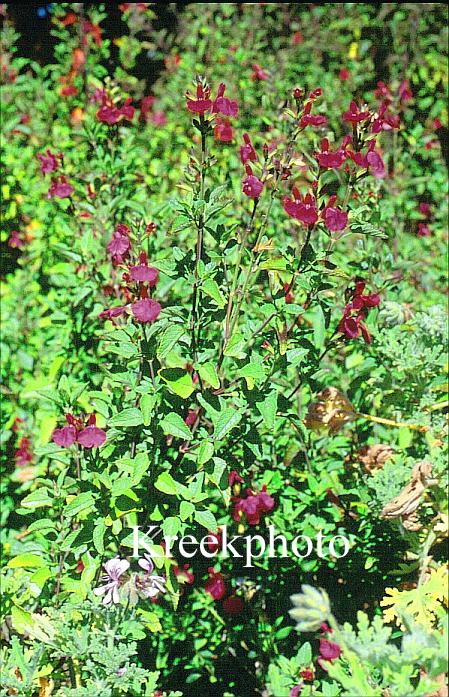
[[195, 321]]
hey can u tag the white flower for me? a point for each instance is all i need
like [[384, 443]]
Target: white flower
[[114, 569]]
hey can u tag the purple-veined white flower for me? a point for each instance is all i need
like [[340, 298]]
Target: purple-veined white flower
[[114, 568]]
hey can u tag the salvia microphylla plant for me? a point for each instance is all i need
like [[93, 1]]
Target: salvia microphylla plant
[[224, 322]]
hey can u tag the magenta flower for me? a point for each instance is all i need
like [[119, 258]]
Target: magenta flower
[[146, 310], [223, 131], [302, 209], [296, 691], [252, 186], [352, 324], [344, 74], [146, 106], [334, 218], [202, 103], [143, 273], [159, 118], [258, 73], [215, 584], [23, 455], [354, 115], [425, 209], [111, 114], [247, 152], [91, 436], [308, 119], [15, 241], [234, 478], [113, 312], [253, 506], [375, 161], [423, 230], [223, 105], [115, 568], [332, 159], [49, 162], [119, 245], [65, 436], [60, 187], [405, 93]]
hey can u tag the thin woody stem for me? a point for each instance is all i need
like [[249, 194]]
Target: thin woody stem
[[391, 422]]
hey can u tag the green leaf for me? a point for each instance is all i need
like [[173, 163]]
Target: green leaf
[[212, 289], [127, 418], [186, 509], [170, 337], [166, 484], [80, 503], [252, 372], [173, 425], [319, 328], [207, 519], [171, 526], [205, 452], [26, 561], [235, 346], [37, 499], [147, 404], [98, 536], [179, 381], [268, 408], [228, 419], [208, 373]]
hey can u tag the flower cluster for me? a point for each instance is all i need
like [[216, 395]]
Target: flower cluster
[[423, 227], [351, 324], [111, 114], [305, 209], [139, 279], [88, 436], [144, 585], [216, 587], [253, 506]]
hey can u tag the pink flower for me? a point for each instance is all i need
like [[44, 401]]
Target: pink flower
[[302, 209], [49, 162], [297, 38], [437, 123], [184, 575], [15, 240], [247, 152], [202, 103], [405, 93], [252, 186], [351, 324], [215, 584], [214, 544], [425, 209], [146, 309], [223, 131], [60, 187], [159, 118], [258, 73], [423, 230], [111, 114], [344, 74], [119, 245], [113, 312], [91, 436], [65, 436], [329, 650], [146, 106], [234, 478], [332, 159], [233, 605], [253, 506], [383, 91], [296, 691], [334, 218], [308, 119], [223, 105], [143, 273], [69, 91], [23, 455], [353, 115], [375, 161]]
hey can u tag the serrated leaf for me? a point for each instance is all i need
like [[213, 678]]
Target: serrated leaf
[[26, 561], [166, 484], [205, 452], [212, 289], [82, 502], [170, 337], [207, 519]]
